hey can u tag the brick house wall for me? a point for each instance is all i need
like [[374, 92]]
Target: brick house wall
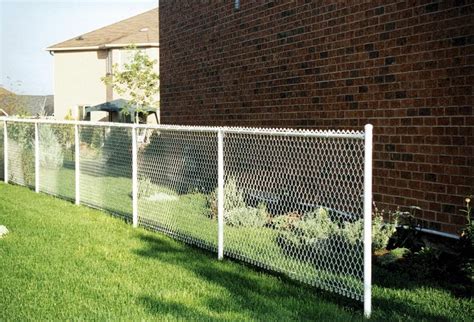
[[406, 67]]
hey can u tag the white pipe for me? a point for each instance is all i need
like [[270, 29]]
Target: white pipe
[[368, 221], [37, 159], [239, 130], [5, 152], [220, 194], [77, 168], [134, 178]]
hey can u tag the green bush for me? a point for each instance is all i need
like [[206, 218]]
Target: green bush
[[307, 231], [382, 231], [246, 217], [236, 212], [315, 232], [23, 134], [352, 232], [233, 198], [51, 153], [467, 242], [28, 166]]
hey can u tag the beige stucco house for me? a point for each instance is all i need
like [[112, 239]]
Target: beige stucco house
[[79, 63]]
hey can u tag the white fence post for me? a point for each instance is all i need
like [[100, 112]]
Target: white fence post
[[37, 158], [368, 221], [220, 194], [5, 152], [134, 178], [77, 168]]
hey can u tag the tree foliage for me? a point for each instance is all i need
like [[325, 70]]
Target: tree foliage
[[137, 81]]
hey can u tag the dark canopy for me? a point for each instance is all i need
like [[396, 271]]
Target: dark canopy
[[117, 106]]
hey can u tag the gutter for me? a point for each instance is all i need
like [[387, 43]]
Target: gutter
[[105, 46]]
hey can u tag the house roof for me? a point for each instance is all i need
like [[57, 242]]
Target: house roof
[[140, 30]]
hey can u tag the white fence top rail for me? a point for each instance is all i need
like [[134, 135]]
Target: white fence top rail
[[215, 129]]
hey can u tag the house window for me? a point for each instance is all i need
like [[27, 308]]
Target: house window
[[236, 4]]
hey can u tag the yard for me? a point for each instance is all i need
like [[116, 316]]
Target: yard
[[61, 261]]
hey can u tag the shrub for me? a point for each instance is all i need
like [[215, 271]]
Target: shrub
[[28, 166], [66, 136], [352, 232], [233, 198], [246, 217], [381, 231], [307, 230], [23, 135], [51, 153], [236, 212], [467, 242], [315, 232]]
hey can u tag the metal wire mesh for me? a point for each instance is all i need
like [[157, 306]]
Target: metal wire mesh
[[2, 152], [56, 160], [177, 174], [293, 200], [106, 168], [21, 154], [294, 205]]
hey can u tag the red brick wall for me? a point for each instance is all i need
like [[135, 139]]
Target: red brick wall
[[406, 67]]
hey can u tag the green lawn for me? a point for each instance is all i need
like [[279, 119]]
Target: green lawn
[[186, 218], [61, 261]]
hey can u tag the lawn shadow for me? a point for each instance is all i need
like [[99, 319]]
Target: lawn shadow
[[403, 280], [177, 310], [256, 296], [249, 293]]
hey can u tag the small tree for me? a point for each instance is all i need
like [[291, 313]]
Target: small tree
[[137, 81]]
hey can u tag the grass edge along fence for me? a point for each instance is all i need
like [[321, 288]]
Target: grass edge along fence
[[236, 177]]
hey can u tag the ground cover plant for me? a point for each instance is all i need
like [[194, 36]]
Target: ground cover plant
[[61, 261]]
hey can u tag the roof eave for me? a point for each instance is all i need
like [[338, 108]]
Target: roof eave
[[106, 46]]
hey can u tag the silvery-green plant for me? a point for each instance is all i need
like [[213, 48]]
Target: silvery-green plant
[[51, 152], [246, 217], [233, 198]]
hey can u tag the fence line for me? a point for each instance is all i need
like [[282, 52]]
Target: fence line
[[293, 201]]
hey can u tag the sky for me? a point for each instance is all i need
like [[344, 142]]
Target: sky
[[28, 27]]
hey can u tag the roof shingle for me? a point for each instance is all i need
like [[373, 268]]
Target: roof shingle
[[140, 30]]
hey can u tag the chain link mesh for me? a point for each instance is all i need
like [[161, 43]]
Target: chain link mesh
[[2, 152], [106, 168], [56, 160], [177, 175], [294, 205], [293, 200], [21, 153]]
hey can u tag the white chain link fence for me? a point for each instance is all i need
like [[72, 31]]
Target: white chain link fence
[[289, 201], [2, 152]]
